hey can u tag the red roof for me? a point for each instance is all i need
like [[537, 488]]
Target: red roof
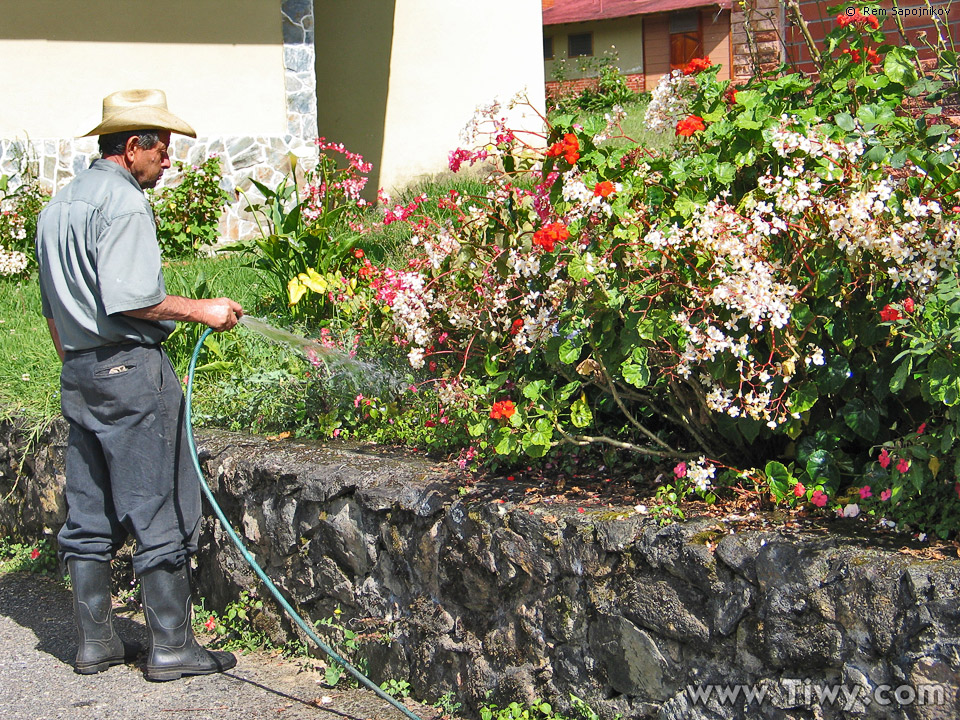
[[570, 11]]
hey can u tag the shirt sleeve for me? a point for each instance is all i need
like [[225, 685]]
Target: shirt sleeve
[[129, 273]]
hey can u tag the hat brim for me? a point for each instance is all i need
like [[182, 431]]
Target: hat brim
[[142, 118]]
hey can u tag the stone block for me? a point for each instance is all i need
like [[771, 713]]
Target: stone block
[[631, 659]]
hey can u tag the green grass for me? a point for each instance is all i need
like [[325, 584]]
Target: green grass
[[633, 128], [30, 375]]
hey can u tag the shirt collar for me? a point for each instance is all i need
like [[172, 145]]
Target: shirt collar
[[110, 166]]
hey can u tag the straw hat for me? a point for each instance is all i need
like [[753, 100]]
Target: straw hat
[[139, 110]]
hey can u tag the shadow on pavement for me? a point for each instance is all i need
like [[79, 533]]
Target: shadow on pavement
[[45, 606]]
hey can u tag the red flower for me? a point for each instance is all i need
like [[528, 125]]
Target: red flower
[[858, 18], [503, 409], [517, 324], [211, 623], [819, 498], [357, 253], [872, 57], [909, 305], [854, 55], [922, 429], [730, 95], [568, 147], [690, 125], [799, 490], [34, 554], [902, 465], [884, 459], [604, 189], [889, 313], [696, 65], [549, 235]]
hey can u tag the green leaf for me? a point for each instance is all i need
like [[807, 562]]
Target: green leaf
[[725, 173], [570, 351], [822, 468], [580, 414], [635, 370], [779, 479], [534, 391], [872, 115], [863, 419], [845, 122], [833, 375], [582, 267], [898, 65], [901, 375], [504, 441], [803, 397], [748, 98]]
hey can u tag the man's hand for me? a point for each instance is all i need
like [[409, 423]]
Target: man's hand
[[220, 313]]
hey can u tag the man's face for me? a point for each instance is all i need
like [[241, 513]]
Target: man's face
[[147, 166]]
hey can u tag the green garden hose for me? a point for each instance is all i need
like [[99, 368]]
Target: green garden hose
[[363, 679]]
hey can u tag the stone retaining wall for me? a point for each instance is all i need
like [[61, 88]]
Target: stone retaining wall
[[55, 161], [462, 591]]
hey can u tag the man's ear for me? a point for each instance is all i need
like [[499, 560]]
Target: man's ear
[[133, 142]]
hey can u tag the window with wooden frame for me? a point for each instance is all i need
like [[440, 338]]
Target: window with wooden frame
[[580, 45], [686, 37], [547, 48]]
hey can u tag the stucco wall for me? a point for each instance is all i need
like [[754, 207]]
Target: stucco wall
[[623, 36], [412, 73], [219, 61], [241, 72]]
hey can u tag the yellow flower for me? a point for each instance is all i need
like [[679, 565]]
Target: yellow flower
[[296, 290]]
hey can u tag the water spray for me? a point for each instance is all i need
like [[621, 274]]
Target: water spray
[[304, 345]]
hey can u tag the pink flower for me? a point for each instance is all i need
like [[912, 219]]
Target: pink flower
[[680, 470], [799, 490], [902, 465], [885, 495], [957, 488], [884, 459], [909, 305], [357, 399], [865, 492], [819, 498]]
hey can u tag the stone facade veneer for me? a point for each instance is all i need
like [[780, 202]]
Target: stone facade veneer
[[487, 592], [266, 159]]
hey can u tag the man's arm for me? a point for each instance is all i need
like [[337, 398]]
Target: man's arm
[[217, 313], [56, 337]]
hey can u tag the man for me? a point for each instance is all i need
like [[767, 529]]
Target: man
[[128, 470]]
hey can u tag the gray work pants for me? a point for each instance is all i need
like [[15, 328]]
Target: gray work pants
[[129, 471]]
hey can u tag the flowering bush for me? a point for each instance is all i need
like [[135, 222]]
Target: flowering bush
[[307, 234], [187, 213], [19, 208], [736, 303]]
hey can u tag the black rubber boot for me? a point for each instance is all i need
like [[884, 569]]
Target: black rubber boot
[[100, 647], [174, 652]]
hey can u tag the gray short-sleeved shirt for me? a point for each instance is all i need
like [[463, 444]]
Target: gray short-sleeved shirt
[[98, 256]]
